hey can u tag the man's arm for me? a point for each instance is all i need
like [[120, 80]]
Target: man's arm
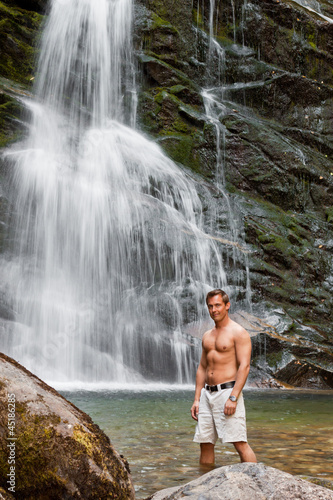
[[199, 384], [243, 357]]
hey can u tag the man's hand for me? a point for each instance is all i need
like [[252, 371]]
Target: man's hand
[[230, 407], [195, 410]]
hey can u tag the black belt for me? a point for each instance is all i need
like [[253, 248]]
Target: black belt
[[213, 388]]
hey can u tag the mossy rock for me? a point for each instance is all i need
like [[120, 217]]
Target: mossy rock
[[58, 451], [10, 112], [19, 30], [329, 214], [34, 5], [5, 495], [181, 149]]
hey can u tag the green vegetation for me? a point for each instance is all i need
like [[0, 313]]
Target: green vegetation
[[19, 30], [10, 111], [329, 214]]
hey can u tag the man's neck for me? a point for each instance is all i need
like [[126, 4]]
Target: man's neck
[[222, 323]]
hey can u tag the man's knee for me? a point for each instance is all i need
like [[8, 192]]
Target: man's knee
[[245, 451], [241, 445]]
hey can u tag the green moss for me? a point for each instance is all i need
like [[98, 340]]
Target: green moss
[[273, 359], [326, 483], [81, 436], [159, 98], [9, 112], [281, 244], [179, 77], [225, 41], [231, 188], [269, 270], [198, 19], [266, 238], [282, 294], [35, 433], [180, 126], [181, 149], [176, 89], [329, 214], [19, 30], [158, 23]]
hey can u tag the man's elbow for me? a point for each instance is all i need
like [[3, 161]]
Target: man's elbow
[[245, 368]]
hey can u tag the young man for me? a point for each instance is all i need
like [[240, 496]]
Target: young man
[[224, 366]]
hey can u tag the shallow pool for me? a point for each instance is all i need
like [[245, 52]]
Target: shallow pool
[[289, 430]]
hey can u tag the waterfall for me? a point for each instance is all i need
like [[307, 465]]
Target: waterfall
[[109, 258]]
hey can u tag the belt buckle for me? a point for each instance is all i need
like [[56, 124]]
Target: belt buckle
[[213, 388]]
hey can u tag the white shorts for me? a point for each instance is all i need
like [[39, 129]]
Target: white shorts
[[213, 423]]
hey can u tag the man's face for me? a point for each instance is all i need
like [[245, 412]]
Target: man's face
[[217, 308]]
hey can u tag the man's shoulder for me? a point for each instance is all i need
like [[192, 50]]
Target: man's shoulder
[[237, 330], [207, 333]]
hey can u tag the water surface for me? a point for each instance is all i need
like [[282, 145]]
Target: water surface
[[289, 430]]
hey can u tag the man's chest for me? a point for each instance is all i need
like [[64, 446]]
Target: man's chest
[[219, 344]]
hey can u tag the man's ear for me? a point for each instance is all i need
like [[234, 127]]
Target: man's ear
[[227, 306]]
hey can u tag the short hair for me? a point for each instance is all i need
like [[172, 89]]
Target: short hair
[[218, 291]]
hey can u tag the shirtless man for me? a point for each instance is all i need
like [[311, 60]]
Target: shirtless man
[[224, 366]]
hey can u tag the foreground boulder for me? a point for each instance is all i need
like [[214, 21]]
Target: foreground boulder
[[246, 481], [49, 448]]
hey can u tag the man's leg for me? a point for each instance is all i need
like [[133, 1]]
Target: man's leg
[[207, 456], [245, 451]]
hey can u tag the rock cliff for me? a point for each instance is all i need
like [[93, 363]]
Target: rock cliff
[[269, 72]]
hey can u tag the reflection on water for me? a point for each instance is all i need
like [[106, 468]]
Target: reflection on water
[[289, 430]]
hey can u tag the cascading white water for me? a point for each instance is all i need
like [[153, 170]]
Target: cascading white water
[[110, 256], [314, 6], [216, 109]]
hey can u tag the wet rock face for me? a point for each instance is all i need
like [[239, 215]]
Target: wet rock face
[[18, 41], [304, 374], [251, 481], [285, 354], [19, 29], [277, 122], [32, 5], [58, 452]]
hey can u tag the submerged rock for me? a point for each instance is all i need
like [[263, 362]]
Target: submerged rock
[[250, 481], [54, 449]]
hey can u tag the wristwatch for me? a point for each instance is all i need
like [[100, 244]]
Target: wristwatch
[[233, 398]]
